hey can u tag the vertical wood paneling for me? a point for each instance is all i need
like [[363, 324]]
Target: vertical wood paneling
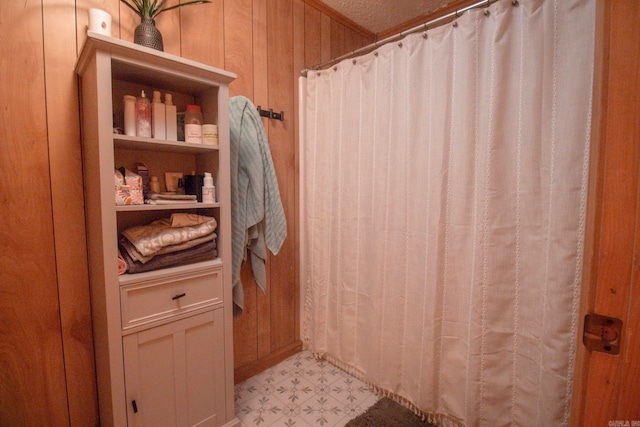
[[312, 37], [68, 209], [238, 46], [282, 275], [325, 38], [169, 26], [337, 39], [239, 59], [32, 388], [202, 32], [352, 40], [261, 97], [612, 389]]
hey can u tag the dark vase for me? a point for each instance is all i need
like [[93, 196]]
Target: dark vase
[[146, 34]]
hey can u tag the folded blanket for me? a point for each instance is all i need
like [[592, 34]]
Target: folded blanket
[[137, 256], [203, 252], [149, 239]]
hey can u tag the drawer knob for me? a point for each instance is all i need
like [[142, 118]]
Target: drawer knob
[[175, 297]]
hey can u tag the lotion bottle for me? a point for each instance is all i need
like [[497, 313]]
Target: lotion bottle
[[208, 190], [143, 116], [171, 121], [158, 129], [130, 115]]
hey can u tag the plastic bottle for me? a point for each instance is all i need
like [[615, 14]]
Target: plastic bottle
[[208, 190], [154, 184], [170, 118], [193, 124], [143, 116], [129, 115], [158, 113]]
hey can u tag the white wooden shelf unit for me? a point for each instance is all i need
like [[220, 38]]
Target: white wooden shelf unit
[[163, 339]]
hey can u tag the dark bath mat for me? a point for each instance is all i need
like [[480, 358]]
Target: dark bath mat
[[387, 413]]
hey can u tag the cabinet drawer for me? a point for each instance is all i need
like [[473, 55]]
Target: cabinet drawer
[[158, 298]]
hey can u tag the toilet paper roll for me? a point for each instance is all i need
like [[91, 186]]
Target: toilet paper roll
[[100, 22]]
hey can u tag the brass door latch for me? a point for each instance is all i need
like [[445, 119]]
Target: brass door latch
[[602, 333]]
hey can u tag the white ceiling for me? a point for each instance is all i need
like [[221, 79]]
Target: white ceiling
[[381, 15]]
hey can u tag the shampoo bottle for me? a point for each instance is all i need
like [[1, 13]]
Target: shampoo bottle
[[208, 190]]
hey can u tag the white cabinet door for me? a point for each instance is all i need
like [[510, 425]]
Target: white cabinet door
[[174, 373]]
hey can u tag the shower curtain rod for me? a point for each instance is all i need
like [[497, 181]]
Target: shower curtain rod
[[401, 35]]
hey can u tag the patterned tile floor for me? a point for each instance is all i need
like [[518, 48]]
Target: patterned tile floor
[[301, 392]]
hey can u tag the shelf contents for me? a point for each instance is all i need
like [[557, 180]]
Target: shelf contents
[[143, 116], [128, 188], [154, 184], [129, 115], [193, 185], [169, 199], [143, 171], [193, 124], [183, 238], [208, 190], [99, 22], [170, 118], [158, 117], [210, 134]]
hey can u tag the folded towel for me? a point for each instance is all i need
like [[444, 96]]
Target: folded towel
[[137, 256], [182, 219], [122, 264], [203, 252], [164, 196], [149, 239]]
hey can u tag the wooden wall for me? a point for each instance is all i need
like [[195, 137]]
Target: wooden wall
[[47, 374]]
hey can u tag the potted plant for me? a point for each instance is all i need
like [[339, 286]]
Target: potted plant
[[146, 33]]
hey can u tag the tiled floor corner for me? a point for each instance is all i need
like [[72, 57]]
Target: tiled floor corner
[[301, 392]]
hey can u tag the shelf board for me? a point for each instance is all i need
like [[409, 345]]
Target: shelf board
[[164, 207], [161, 145]]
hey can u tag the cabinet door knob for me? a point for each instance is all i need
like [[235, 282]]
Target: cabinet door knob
[[175, 297]]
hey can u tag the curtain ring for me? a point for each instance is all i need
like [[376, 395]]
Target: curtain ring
[[375, 53], [354, 62], [400, 44], [425, 35], [455, 24], [515, 3], [487, 13]]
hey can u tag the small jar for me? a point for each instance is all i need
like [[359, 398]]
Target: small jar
[[210, 134], [193, 124]]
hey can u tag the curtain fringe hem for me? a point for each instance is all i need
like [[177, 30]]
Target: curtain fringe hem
[[438, 418]]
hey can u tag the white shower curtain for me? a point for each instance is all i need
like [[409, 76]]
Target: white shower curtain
[[444, 183]]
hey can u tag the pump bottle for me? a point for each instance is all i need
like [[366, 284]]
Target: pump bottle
[[208, 190]]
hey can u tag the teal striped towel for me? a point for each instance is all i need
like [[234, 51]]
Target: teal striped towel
[[258, 219]]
